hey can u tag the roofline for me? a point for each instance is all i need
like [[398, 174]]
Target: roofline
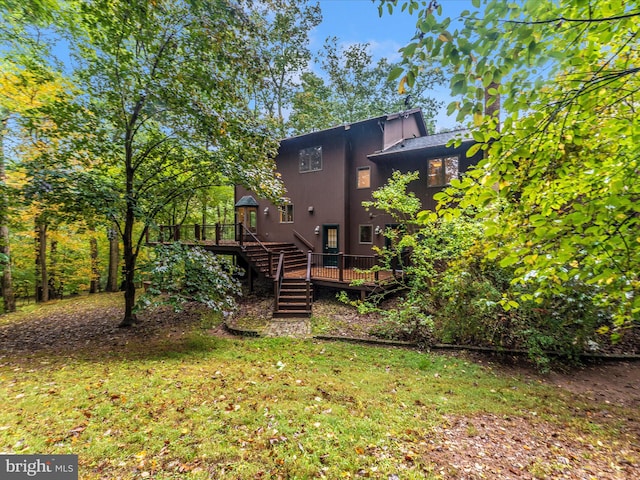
[[347, 126], [387, 153]]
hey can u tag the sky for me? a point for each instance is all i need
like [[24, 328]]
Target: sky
[[357, 21]]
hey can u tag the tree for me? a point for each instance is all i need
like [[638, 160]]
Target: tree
[[312, 107], [355, 88], [8, 297], [283, 48], [163, 112], [564, 164], [24, 92]]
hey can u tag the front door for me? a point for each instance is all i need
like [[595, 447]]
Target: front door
[[330, 245]]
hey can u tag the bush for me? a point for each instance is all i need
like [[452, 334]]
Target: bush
[[181, 274]]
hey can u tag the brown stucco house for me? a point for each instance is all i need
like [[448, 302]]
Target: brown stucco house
[[329, 173]]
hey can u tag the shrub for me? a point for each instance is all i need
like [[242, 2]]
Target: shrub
[[180, 274]]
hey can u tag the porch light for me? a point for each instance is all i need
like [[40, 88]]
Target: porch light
[[310, 210], [317, 230], [266, 210], [377, 230]]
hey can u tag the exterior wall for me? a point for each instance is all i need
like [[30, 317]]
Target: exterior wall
[[400, 127], [322, 191], [417, 160], [364, 140], [331, 195]]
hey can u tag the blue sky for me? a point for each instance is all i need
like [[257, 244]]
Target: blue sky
[[357, 21]]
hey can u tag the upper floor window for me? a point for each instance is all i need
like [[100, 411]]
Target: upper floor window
[[364, 177], [286, 213], [310, 159], [442, 170]]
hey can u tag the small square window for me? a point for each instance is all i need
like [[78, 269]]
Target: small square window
[[441, 171], [364, 177], [310, 159], [366, 233], [286, 213]]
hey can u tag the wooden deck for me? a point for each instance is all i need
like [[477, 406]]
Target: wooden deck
[[347, 272]]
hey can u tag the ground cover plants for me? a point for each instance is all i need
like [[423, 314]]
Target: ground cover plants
[[174, 398]]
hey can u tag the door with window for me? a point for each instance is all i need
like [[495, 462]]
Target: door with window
[[330, 245]]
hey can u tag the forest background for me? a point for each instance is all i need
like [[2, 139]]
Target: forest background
[[166, 103]]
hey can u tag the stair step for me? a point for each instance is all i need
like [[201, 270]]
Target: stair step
[[291, 314]]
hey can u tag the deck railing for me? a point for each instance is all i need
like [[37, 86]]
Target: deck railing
[[218, 233], [277, 281], [344, 268], [331, 266], [307, 279]]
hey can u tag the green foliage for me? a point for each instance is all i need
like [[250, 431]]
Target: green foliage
[[181, 274], [356, 88], [452, 291], [395, 199], [282, 42], [564, 163]]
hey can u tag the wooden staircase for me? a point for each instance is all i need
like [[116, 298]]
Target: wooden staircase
[[279, 261], [266, 264], [294, 298]]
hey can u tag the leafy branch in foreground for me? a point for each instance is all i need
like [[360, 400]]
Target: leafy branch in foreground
[[181, 274], [563, 163]]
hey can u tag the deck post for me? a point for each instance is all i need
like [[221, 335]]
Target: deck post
[[341, 266], [218, 233], [176, 233], [241, 230], [270, 260], [196, 232], [376, 274]]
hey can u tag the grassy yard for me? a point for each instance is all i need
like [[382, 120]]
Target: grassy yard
[[193, 405]]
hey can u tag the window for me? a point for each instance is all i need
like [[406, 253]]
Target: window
[[364, 177], [310, 159], [286, 213], [442, 170], [366, 233]]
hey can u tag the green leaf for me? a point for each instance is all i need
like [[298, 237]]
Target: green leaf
[[473, 149], [395, 73], [478, 136]]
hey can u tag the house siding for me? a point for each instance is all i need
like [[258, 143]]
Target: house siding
[[333, 194]]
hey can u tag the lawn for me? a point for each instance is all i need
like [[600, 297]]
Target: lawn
[[183, 403]]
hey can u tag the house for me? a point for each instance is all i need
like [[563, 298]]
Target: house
[[329, 173], [320, 234]]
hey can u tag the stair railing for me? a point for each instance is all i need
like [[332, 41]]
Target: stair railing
[[244, 229], [308, 280], [277, 282]]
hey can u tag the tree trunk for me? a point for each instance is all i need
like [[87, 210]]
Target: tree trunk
[[54, 293], [129, 270], [6, 282], [94, 286], [130, 252], [42, 276], [8, 294], [114, 260]]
